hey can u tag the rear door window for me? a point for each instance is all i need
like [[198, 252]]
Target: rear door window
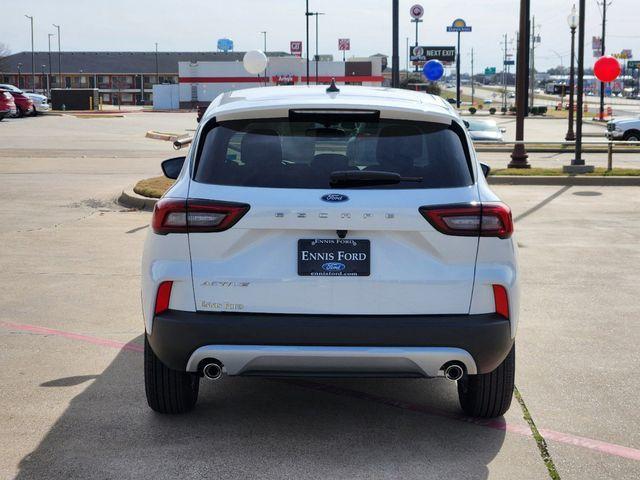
[[280, 153]]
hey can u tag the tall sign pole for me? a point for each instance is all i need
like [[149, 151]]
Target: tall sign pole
[[307, 18], [519, 155], [395, 55], [458, 26], [416, 13]]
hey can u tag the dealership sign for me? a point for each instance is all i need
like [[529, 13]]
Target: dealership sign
[[225, 45], [416, 12], [344, 44], [295, 48], [424, 54]]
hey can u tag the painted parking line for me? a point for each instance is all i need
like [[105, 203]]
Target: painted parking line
[[496, 424]]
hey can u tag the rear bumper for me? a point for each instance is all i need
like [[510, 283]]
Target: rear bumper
[[182, 339]]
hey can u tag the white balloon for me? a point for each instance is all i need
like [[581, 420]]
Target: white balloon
[[255, 62]]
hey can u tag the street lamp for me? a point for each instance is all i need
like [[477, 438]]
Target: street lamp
[[49, 76], [264, 33], [572, 20], [59, 57], [44, 91], [316, 14], [33, 58], [19, 74]]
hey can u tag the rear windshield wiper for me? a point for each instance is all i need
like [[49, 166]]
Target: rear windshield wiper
[[361, 178]]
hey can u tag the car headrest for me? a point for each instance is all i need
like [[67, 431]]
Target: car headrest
[[261, 147], [399, 144], [330, 162]]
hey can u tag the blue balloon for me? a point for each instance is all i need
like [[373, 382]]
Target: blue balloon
[[433, 70]]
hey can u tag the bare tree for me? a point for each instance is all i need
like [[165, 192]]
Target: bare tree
[[4, 52]]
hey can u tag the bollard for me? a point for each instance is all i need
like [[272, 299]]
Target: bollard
[[610, 156]]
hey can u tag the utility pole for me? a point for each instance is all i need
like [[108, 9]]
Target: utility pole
[[532, 72], [408, 56], [604, 4], [157, 69], [504, 74], [395, 56], [306, 13], [317, 57], [473, 87], [519, 155], [33, 58], [49, 76], [59, 58]]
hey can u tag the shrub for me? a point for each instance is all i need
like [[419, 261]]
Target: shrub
[[473, 110], [492, 111], [503, 110], [512, 109], [543, 110]]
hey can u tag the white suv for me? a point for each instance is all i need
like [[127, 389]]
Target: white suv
[[330, 232]]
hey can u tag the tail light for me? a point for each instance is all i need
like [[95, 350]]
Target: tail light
[[485, 220], [501, 300], [163, 297], [172, 215]]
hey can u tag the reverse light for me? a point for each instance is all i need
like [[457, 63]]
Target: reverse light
[[472, 220], [172, 215], [501, 300], [163, 297]]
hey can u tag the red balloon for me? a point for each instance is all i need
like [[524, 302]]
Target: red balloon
[[607, 68]]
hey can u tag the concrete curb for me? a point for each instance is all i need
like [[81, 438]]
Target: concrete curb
[[130, 199], [562, 180]]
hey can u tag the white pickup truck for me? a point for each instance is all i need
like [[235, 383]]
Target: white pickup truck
[[627, 128]]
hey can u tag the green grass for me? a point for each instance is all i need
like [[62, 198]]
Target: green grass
[[557, 172], [153, 187]]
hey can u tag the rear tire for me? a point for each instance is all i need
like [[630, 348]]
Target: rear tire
[[19, 112], [168, 391], [489, 395]]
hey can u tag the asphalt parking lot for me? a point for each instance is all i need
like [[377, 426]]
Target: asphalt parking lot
[[71, 337]]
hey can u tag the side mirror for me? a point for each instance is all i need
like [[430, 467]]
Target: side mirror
[[171, 168], [485, 169]]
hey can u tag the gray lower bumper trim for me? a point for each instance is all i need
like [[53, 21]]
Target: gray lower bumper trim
[[253, 359]]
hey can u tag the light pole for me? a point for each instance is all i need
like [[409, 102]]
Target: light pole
[[33, 58], [157, 70], [395, 55], [417, 21], [49, 76], [42, 79], [265, 41], [307, 14], [59, 58], [19, 74], [577, 163], [317, 58], [519, 155], [572, 20]]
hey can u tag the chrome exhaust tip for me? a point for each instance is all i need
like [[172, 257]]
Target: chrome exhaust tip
[[453, 372], [212, 371]]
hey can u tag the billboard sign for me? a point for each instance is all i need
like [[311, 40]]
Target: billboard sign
[[295, 48], [426, 53], [344, 44], [490, 71], [459, 25], [509, 62], [596, 46], [633, 64]]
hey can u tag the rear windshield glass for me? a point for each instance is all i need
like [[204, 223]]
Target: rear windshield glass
[[280, 153]]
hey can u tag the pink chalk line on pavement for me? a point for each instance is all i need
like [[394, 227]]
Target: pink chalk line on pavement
[[498, 424]]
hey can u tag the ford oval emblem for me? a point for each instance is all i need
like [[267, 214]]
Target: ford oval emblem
[[333, 266], [334, 197]]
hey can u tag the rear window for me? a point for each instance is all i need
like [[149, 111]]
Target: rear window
[[280, 153]]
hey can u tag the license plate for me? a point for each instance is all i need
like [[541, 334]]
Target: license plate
[[334, 257]]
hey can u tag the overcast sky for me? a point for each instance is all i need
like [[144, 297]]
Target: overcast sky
[[195, 25]]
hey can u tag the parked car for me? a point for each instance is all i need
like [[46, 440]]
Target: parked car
[[7, 104], [24, 105], [485, 130], [40, 102], [624, 128], [283, 248]]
